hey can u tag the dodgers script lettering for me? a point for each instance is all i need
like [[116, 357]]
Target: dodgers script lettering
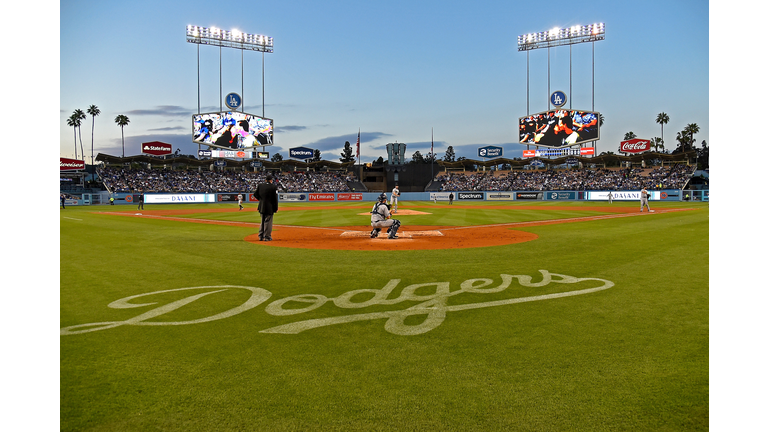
[[431, 302]]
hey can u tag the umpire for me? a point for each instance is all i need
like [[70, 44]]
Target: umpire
[[266, 193]]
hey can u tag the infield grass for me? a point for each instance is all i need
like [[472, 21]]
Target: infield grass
[[630, 357]]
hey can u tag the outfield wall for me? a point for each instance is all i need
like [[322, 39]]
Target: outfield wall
[[458, 196]]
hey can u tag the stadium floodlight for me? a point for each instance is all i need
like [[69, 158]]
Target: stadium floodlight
[[230, 39], [559, 37]]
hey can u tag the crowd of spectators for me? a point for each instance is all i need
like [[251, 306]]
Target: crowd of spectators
[[184, 181], [176, 181], [673, 177]]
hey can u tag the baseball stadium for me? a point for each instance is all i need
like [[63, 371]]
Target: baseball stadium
[[542, 285], [495, 310]]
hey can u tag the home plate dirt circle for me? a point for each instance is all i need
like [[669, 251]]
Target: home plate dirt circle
[[409, 238]]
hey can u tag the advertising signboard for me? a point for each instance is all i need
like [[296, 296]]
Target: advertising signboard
[[636, 145], [321, 197], [178, 198], [490, 152], [529, 195], [156, 148], [470, 195], [292, 197], [71, 164], [499, 196], [301, 153], [355, 196]]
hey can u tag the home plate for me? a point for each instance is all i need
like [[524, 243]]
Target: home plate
[[400, 234]]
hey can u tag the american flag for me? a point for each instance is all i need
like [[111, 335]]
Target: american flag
[[358, 143]]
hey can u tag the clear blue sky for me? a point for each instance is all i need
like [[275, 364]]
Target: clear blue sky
[[394, 70]]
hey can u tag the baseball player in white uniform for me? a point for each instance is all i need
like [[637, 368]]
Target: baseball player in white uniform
[[382, 218], [644, 200], [240, 201], [395, 196]]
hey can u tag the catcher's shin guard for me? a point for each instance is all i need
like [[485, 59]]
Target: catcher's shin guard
[[393, 229], [375, 232]]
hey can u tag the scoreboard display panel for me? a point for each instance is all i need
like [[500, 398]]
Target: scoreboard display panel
[[232, 130], [560, 128]]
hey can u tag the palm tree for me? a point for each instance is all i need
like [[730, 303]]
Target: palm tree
[[122, 121], [93, 110], [601, 121], [656, 143], [691, 129], [629, 135], [74, 122], [80, 115], [662, 119]]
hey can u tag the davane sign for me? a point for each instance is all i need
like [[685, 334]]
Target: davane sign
[[636, 145]]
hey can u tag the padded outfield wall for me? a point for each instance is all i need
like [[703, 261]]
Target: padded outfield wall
[[458, 196]]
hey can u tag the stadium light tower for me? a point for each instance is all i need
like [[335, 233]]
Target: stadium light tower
[[229, 39], [560, 37]]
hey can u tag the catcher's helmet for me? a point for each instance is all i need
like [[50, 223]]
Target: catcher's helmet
[[383, 197]]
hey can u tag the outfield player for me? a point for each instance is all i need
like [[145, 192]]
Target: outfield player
[[395, 196], [240, 201], [644, 200], [382, 218]]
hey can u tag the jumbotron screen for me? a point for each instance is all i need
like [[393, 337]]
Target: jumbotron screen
[[232, 130], [560, 128]]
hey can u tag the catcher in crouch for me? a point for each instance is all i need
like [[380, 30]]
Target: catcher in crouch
[[382, 218]]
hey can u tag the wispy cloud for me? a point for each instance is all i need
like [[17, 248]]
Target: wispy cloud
[[289, 128], [337, 142], [165, 110], [169, 129]]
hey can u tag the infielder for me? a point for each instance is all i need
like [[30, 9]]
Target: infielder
[[382, 218], [395, 196], [644, 200]]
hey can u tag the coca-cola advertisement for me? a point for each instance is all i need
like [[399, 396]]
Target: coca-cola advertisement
[[66, 164], [156, 148], [636, 145]]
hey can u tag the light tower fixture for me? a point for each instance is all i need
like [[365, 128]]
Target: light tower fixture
[[229, 39], [561, 36]]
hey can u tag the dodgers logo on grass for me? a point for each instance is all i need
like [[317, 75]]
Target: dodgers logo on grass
[[433, 304]]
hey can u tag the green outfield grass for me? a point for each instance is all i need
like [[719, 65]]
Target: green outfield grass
[[631, 357]]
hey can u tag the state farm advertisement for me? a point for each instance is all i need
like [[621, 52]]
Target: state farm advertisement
[[636, 145], [70, 164], [321, 197], [156, 148], [349, 197]]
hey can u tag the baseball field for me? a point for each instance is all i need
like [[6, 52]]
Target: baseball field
[[535, 316]]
